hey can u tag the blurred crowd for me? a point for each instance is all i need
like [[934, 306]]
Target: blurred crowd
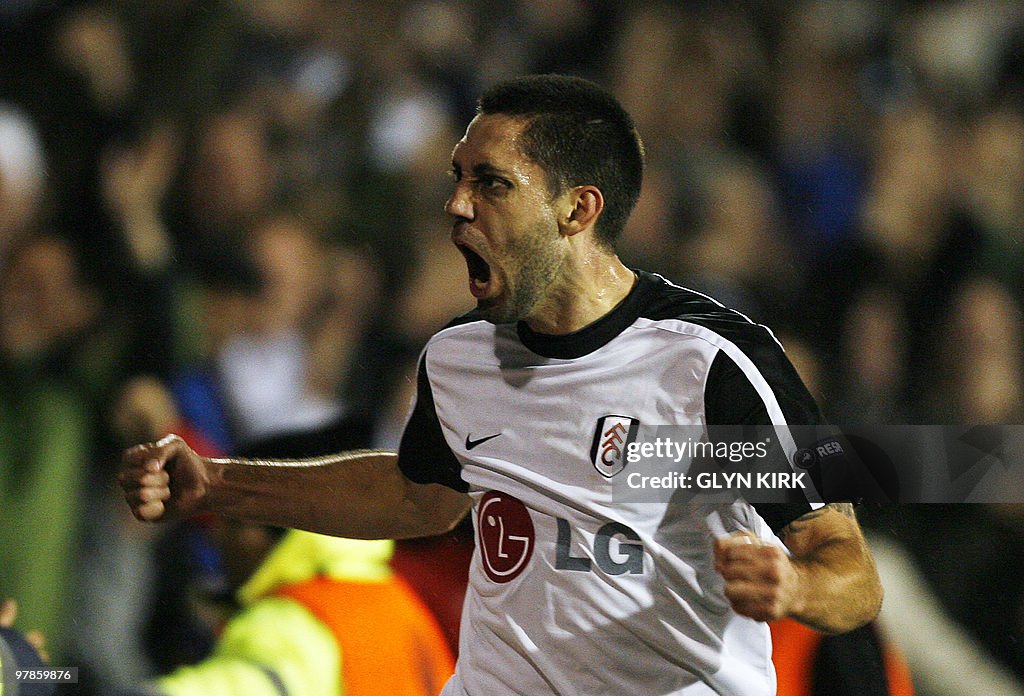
[[224, 218]]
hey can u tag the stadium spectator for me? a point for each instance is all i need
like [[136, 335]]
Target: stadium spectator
[[318, 615], [21, 652], [46, 429]]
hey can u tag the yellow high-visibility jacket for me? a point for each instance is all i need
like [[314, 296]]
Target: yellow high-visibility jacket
[[323, 616]]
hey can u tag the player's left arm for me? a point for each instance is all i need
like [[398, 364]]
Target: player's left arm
[[828, 581]]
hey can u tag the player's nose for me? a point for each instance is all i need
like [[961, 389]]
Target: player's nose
[[460, 203]]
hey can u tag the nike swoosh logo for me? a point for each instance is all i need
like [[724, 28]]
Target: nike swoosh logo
[[471, 443]]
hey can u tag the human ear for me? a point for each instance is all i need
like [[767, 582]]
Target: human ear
[[587, 204]]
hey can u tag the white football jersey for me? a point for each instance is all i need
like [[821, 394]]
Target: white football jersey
[[570, 590]]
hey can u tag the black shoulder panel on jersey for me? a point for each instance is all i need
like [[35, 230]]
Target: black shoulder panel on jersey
[[424, 455], [666, 301], [729, 396], [730, 399]]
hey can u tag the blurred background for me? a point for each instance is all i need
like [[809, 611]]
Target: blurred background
[[224, 218]]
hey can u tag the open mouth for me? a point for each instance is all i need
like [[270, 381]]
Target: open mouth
[[479, 270]]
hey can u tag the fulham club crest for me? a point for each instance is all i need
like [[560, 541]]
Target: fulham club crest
[[613, 435]]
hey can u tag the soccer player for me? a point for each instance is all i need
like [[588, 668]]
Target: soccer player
[[570, 592]]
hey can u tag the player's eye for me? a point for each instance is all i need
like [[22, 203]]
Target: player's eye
[[492, 184]]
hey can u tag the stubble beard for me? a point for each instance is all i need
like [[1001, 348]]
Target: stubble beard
[[540, 263]]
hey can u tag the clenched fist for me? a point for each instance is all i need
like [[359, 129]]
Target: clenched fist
[[760, 579], [164, 480]]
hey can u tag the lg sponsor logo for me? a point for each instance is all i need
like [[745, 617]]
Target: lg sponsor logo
[[629, 551], [505, 533], [507, 537]]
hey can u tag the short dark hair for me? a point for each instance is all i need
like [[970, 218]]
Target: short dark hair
[[579, 134]]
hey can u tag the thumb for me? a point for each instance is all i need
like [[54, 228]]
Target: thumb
[[730, 541], [153, 456]]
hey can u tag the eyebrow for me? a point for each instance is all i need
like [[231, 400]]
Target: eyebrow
[[483, 169]]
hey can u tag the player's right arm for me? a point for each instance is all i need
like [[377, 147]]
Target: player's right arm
[[360, 495]]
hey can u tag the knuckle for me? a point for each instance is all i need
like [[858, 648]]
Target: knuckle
[[171, 439]]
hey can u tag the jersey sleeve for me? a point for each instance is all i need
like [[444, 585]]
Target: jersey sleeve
[[764, 390], [423, 454]]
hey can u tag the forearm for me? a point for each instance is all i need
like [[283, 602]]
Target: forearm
[[360, 495], [838, 588]]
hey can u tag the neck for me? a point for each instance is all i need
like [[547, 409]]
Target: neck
[[590, 287]]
